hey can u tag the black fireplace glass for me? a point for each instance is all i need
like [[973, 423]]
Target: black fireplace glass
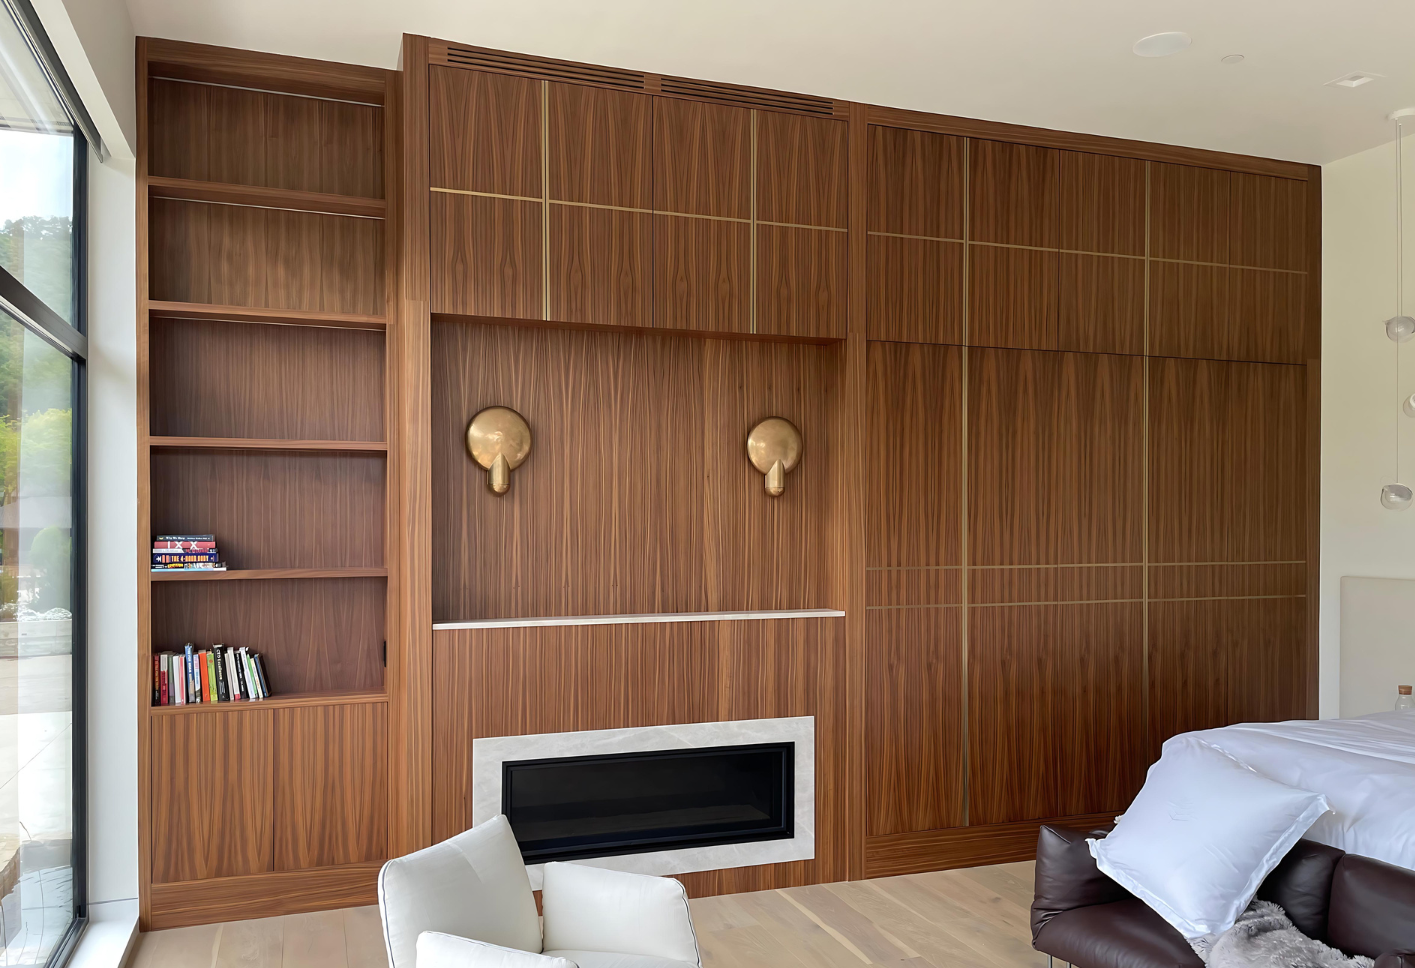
[[571, 807]]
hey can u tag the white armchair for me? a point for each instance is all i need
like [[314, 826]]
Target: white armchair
[[467, 903]]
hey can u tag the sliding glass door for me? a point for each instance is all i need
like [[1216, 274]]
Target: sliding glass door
[[42, 350]]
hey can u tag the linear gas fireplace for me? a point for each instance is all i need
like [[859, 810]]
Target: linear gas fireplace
[[664, 799], [569, 807]]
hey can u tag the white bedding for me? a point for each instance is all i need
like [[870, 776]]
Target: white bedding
[[1365, 767]]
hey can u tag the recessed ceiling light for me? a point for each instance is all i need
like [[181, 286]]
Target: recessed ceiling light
[[1231, 59], [1354, 79], [1162, 45]]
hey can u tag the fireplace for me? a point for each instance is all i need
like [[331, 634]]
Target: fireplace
[[763, 822], [570, 807]]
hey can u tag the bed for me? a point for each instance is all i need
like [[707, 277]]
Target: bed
[[1365, 767]]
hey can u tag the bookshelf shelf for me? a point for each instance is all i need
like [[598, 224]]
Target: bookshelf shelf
[[267, 574], [162, 309], [274, 702], [253, 443], [230, 194]]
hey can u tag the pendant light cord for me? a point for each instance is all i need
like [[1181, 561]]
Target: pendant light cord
[[1399, 273]]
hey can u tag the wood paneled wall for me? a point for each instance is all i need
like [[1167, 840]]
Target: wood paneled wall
[[1058, 395]]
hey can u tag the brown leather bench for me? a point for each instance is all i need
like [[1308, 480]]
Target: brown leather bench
[[1359, 905]]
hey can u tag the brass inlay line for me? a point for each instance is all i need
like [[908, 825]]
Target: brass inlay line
[[963, 483], [905, 235], [877, 608], [794, 225], [913, 567], [1102, 564], [1227, 598], [509, 198], [545, 197], [617, 208], [1226, 265], [1206, 564], [752, 274], [611, 208], [1078, 601], [1048, 248], [1145, 481]]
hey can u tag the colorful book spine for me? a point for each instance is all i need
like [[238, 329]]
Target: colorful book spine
[[180, 546], [185, 557], [217, 674]]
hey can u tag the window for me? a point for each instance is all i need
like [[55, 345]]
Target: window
[[42, 348]]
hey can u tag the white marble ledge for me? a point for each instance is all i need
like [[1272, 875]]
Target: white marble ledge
[[521, 623]]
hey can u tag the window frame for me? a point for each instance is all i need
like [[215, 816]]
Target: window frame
[[70, 339]]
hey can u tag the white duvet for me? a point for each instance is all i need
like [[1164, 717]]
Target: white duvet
[[1365, 767]]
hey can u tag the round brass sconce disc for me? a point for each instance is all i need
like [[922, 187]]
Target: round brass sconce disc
[[774, 447], [499, 439]]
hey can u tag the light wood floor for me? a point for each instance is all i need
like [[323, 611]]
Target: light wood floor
[[974, 918]]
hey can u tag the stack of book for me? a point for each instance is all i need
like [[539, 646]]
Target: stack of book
[[218, 674], [186, 552]]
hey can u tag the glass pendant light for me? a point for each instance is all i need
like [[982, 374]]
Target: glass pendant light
[[1400, 327]]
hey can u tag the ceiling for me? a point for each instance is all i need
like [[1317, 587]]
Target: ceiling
[[1063, 64]]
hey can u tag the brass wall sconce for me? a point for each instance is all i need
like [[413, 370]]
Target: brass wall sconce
[[499, 439], [774, 448]]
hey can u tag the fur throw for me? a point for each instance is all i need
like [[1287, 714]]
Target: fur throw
[[1263, 937]]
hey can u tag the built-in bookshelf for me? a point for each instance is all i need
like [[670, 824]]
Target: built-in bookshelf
[[264, 279]]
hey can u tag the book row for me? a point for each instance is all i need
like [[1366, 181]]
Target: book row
[[186, 552], [218, 674]]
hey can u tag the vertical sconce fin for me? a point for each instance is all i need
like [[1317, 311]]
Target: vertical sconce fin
[[776, 479], [499, 475], [774, 448], [499, 439]]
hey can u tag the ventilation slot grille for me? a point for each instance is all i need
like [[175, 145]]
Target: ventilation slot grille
[[476, 58], [749, 97]]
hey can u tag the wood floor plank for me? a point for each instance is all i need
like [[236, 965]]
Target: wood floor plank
[[974, 918], [257, 943]]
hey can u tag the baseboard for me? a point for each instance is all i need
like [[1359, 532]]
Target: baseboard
[[262, 895], [936, 850]]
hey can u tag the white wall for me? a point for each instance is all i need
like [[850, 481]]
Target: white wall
[[94, 39], [1360, 407]]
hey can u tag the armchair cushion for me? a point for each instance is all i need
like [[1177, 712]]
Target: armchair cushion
[[471, 886], [589, 909], [610, 959], [438, 950]]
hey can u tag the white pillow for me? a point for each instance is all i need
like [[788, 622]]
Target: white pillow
[[1201, 836], [438, 950]]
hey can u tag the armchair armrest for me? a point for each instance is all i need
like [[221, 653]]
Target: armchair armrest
[[1067, 875], [593, 909], [438, 950]]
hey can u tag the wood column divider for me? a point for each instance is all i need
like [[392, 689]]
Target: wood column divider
[[855, 482], [410, 661]]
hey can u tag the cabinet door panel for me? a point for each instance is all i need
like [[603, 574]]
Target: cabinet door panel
[[914, 290], [484, 132], [916, 183], [486, 256], [702, 275], [601, 264], [801, 281], [1189, 213], [600, 146], [211, 794], [702, 159], [801, 170], [331, 785], [1014, 194], [1012, 297]]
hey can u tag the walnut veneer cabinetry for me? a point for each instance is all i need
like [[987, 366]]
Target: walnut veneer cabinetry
[[263, 255], [581, 204], [1058, 497]]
